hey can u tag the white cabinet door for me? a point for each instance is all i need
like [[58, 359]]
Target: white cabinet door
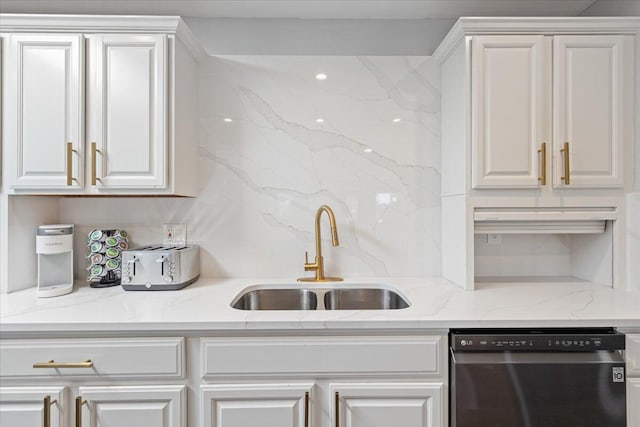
[[591, 75], [633, 402], [511, 113], [149, 406], [243, 405], [25, 406], [44, 111], [127, 111], [384, 405]]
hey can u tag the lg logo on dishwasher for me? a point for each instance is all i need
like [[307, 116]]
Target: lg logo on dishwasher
[[618, 375]]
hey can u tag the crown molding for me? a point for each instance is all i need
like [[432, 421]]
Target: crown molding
[[468, 26], [130, 24], [184, 33], [10, 22]]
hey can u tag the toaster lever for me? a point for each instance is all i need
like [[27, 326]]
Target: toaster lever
[[133, 261]]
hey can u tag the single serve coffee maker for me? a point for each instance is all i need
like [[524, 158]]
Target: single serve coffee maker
[[54, 246]]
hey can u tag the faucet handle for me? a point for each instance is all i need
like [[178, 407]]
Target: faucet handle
[[306, 257]]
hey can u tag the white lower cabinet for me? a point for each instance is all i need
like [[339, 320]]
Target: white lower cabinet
[[325, 403], [132, 406], [241, 405], [97, 382], [321, 381], [388, 404], [632, 360], [633, 402], [33, 406], [270, 380]]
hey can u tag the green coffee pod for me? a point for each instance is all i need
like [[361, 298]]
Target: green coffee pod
[[121, 233], [112, 264], [112, 252], [97, 247], [96, 235], [112, 242], [96, 271]]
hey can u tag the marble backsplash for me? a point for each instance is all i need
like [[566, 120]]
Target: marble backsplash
[[276, 143]]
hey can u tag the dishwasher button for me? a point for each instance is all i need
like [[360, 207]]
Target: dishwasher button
[[618, 374]]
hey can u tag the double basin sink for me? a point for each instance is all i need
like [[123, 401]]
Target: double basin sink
[[294, 297]]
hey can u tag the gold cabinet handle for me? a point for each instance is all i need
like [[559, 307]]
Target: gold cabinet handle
[[94, 150], [306, 409], [79, 403], [543, 164], [54, 364], [567, 175], [47, 410], [70, 152], [337, 409]]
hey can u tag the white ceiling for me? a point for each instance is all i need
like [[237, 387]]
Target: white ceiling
[[306, 9]]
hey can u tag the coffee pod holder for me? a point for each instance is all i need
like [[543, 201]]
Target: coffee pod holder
[[105, 257]]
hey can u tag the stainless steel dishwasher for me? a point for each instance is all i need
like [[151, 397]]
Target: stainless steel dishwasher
[[537, 378]]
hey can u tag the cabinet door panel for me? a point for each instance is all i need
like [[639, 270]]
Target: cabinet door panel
[[149, 406], [383, 405], [24, 406], [127, 98], [241, 405], [44, 110], [633, 402], [511, 109], [590, 74]]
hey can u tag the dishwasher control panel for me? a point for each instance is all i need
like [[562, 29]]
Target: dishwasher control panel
[[548, 339]]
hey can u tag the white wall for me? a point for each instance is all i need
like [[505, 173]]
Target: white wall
[[265, 173], [613, 8], [395, 37]]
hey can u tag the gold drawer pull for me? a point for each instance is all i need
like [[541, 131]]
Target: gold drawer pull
[[70, 151], [567, 176], [306, 409], [47, 410], [337, 409], [79, 403], [54, 364], [543, 164], [94, 150]]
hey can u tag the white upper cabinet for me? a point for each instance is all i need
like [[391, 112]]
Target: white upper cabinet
[[43, 111], [135, 131], [511, 109], [591, 75], [127, 92], [550, 110]]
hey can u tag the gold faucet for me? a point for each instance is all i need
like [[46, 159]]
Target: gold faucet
[[318, 266]]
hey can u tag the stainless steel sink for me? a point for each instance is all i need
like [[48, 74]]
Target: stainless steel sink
[[363, 299], [276, 299], [292, 297]]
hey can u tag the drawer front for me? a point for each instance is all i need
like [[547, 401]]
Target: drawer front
[[632, 355], [110, 357], [370, 356]]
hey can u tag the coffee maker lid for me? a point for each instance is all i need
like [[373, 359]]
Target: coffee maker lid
[[55, 229]]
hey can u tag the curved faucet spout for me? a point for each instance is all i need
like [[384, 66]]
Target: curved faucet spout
[[318, 265], [332, 224]]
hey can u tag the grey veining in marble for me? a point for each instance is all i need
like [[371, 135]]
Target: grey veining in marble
[[365, 141]]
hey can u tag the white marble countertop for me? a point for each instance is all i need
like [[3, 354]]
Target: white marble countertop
[[435, 304]]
